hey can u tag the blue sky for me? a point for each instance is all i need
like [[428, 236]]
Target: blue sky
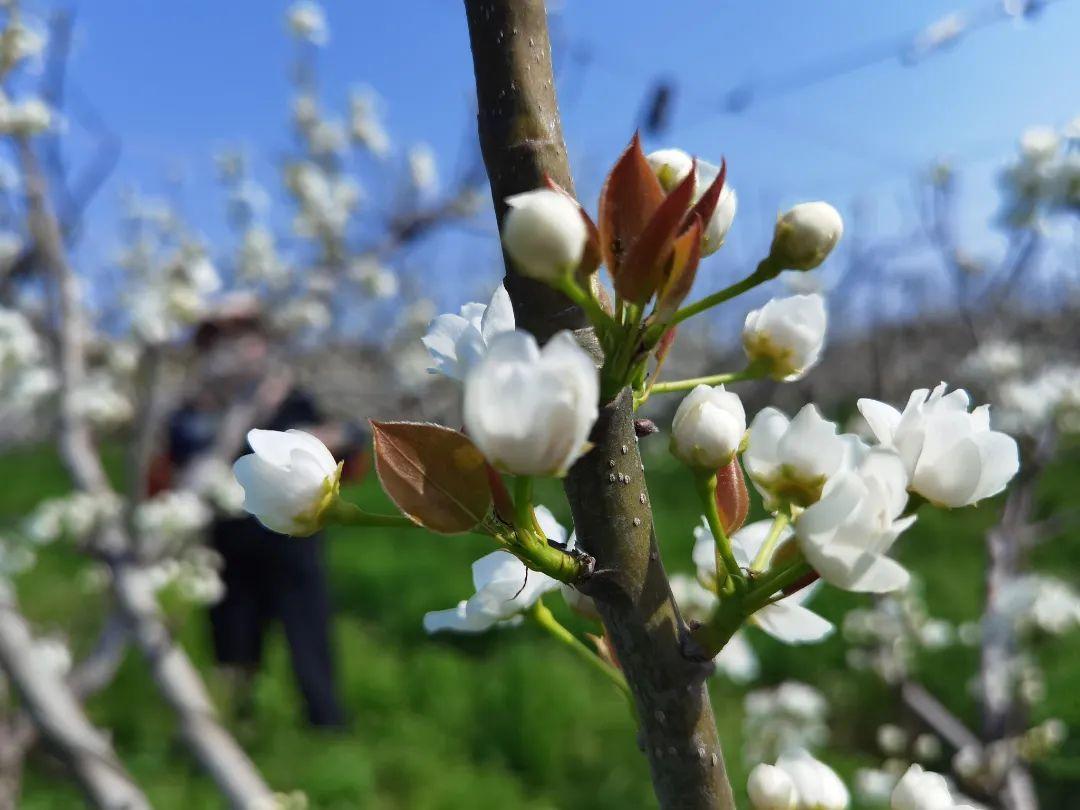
[[177, 80]]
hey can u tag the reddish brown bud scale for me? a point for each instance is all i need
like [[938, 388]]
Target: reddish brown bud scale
[[706, 204], [591, 257], [646, 260], [681, 270], [732, 497], [630, 197], [500, 496]]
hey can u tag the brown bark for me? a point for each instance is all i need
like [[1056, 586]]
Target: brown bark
[[521, 138]]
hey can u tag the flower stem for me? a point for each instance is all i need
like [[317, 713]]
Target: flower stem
[[761, 561], [584, 299], [765, 271], [543, 617], [751, 372], [728, 575], [343, 513]]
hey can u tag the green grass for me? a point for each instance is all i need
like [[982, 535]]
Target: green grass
[[504, 720]]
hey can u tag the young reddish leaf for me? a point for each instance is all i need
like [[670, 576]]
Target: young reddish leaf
[[643, 267], [663, 346], [590, 258], [732, 497], [682, 269], [630, 197], [434, 475], [706, 204]]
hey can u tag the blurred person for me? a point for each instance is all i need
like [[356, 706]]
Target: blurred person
[[267, 576]]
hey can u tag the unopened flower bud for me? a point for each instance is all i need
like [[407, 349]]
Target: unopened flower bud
[[708, 428], [289, 482], [671, 166], [544, 234], [771, 789], [805, 236]]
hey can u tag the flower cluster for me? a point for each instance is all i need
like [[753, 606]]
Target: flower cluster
[[1044, 177]]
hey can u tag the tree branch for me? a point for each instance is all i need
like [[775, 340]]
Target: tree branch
[[60, 718], [521, 138]]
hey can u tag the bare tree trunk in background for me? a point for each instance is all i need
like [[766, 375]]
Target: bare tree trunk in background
[[59, 717], [177, 679], [521, 138]]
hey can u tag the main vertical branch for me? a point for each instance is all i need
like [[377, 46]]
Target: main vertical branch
[[521, 139]]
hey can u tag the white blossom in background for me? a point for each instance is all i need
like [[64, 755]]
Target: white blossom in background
[[1040, 602], [505, 589], [816, 784], [258, 260], [846, 534], [952, 457], [25, 377], [214, 481], [377, 279], [74, 517], [457, 343], [790, 460], [172, 518], [288, 481], [544, 233], [708, 427], [307, 21], [302, 315], [530, 410], [671, 167], [100, 400], [25, 118], [785, 620], [994, 359], [51, 656], [365, 124], [20, 41], [326, 201], [786, 335], [789, 717], [423, 169]]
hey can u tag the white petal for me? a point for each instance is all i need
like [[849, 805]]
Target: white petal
[[1000, 460], [499, 316], [792, 623], [883, 419]]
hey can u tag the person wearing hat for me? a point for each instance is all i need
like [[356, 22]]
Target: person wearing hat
[[268, 577]]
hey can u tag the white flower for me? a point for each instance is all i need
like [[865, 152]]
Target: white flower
[[172, 517], [289, 481], [790, 460], [786, 335], [544, 234], [737, 660], [458, 342], [921, 790], [845, 535], [785, 620], [818, 786], [708, 427], [952, 457], [308, 21], [528, 410], [1039, 144], [423, 171], [671, 167], [805, 235], [771, 789], [505, 589]]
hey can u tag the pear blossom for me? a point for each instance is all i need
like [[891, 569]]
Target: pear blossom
[[423, 171], [789, 461], [505, 589], [785, 620], [530, 410], [671, 167], [817, 785], [919, 789], [289, 481], [806, 235], [770, 788], [783, 719], [307, 21], [951, 456], [458, 342], [786, 335], [708, 427], [544, 234], [845, 535]]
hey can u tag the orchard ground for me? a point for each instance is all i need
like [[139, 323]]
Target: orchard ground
[[509, 719]]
